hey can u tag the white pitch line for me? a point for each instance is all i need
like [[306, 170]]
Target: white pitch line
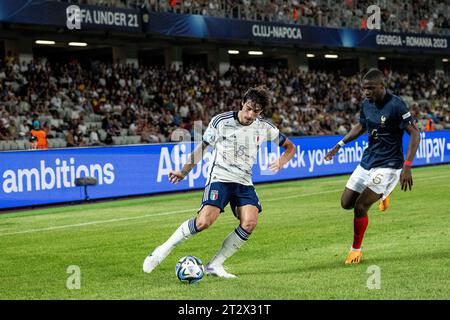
[[97, 222], [177, 212]]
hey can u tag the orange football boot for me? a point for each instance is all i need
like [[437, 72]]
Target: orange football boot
[[354, 257], [384, 204]]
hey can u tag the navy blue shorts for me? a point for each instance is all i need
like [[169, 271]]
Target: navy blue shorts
[[219, 194]]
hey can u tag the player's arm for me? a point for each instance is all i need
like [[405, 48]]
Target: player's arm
[[209, 139], [406, 180], [354, 133], [193, 159], [288, 153], [286, 156]]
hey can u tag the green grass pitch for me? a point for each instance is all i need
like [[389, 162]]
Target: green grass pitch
[[296, 252]]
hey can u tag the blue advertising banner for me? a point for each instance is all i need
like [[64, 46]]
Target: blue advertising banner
[[53, 13], [198, 26], [36, 177]]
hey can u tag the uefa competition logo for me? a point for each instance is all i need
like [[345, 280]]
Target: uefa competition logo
[[73, 14], [374, 18]]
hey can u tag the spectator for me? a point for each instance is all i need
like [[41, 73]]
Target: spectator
[[40, 135], [94, 139], [430, 126]]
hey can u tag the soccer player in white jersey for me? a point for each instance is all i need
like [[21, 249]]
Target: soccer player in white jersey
[[236, 138]]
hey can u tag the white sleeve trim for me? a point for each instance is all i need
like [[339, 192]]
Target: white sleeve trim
[[406, 115]]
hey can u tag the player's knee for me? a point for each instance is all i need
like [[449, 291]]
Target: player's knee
[[346, 205], [249, 225], [203, 223], [360, 209]]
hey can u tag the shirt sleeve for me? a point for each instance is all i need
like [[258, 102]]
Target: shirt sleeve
[[273, 134], [210, 136], [362, 117], [406, 117]]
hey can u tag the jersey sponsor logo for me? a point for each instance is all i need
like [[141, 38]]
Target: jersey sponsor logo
[[214, 195]]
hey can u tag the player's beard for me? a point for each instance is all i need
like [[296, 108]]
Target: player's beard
[[248, 122]]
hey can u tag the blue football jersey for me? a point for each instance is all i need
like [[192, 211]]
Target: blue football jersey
[[385, 126]]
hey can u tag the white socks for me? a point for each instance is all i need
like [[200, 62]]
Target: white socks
[[184, 232], [232, 243]]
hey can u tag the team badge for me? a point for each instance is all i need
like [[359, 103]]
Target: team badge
[[383, 121], [214, 195]]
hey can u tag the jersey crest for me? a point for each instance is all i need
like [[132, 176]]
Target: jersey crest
[[214, 195]]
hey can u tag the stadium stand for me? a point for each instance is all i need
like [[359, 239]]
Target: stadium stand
[[397, 16], [115, 104]]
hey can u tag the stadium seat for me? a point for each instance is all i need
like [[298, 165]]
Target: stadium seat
[[52, 143], [13, 145], [134, 139], [5, 146], [21, 144]]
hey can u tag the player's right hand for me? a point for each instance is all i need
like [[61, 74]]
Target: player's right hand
[[175, 176], [332, 152]]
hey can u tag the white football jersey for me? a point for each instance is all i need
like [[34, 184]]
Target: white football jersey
[[236, 146]]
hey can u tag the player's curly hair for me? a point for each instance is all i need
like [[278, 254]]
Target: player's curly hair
[[259, 95]]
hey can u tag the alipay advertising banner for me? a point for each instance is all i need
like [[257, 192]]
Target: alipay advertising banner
[[35, 177]]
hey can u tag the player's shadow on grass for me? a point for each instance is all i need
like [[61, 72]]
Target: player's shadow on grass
[[421, 256], [337, 262], [332, 265]]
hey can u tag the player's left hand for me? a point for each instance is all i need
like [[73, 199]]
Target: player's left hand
[[332, 152], [406, 180], [276, 166]]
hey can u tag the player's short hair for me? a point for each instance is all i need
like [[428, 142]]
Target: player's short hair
[[259, 95], [374, 75]]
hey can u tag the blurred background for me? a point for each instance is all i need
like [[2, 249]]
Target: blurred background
[[133, 71]]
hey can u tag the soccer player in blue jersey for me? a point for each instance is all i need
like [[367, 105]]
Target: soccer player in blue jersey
[[236, 138], [385, 117]]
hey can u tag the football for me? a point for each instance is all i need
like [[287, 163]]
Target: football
[[189, 269]]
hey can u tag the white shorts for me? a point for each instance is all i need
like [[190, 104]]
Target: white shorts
[[379, 180]]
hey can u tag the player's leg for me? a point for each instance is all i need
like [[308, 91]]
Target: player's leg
[[246, 207], [381, 183], [348, 198], [207, 215], [390, 179], [234, 241], [360, 221], [215, 198], [354, 187]]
